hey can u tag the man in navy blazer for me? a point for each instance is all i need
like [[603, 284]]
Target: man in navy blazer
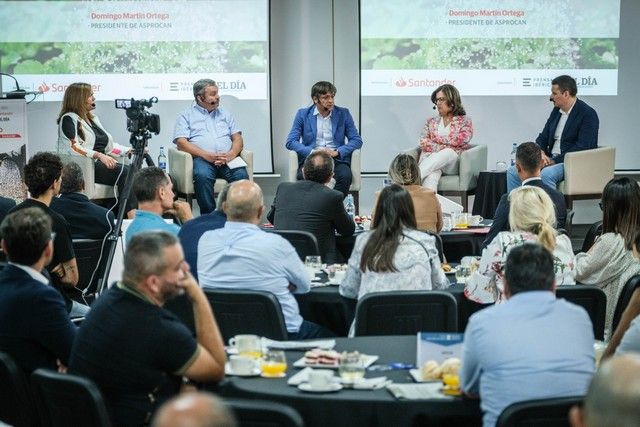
[[324, 126], [35, 329], [572, 126], [528, 165]]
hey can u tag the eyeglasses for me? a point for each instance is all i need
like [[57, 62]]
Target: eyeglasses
[[440, 100]]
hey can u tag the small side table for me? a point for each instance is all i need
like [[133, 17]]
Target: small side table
[[491, 186]]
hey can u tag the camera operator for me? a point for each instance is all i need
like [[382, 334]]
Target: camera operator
[[81, 133]]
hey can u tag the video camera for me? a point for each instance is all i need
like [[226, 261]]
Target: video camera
[[139, 120]]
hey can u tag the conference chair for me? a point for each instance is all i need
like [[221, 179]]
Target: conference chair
[[247, 312], [594, 231], [181, 169], [90, 266], [68, 400], [356, 172], [262, 413], [592, 299], [541, 412], [304, 242], [462, 182], [17, 407], [623, 300], [92, 190], [406, 313], [586, 173]]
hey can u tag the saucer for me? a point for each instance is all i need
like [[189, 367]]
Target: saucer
[[227, 370], [334, 386], [281, 375]]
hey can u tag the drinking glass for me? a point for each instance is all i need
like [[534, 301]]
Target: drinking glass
[[462, 274], [274, 364], [462, 220], [501, 166], [313, 264], [351, 367]]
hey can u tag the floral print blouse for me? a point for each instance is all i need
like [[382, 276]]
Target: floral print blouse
[[486, 284], [460, 133]]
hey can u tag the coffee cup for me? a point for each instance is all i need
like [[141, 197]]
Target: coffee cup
[[247, 345], [475, 220], [339, 276], [242, 365], [320, 379]]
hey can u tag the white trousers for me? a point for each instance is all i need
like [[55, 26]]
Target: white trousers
[[432, 166]]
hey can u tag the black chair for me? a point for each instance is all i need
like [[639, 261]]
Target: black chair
[[17, 407], [623, 300], [542, 413], [247, 312], [68, 400], [262, 413], [594, 231], [438, 244], [592, 299], [406, 313], [304, 242], [87, 257], [182, 308]]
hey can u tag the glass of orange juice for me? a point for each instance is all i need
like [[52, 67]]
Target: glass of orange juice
[[274, 364]]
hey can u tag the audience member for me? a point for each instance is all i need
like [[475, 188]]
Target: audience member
[[42, 177], [528, 167], [311, 206], [404, 171], [192, 230], [323, 127], [626, 337], [154, 191], [610, 263], [194, 409], [444, 137], [571, 126], [534, 346], [80, 133], [241, 256], [531, 217], [136, 351], [393, 256], [210, 135], [6, 204], [613, 396], [86, 219], [35, 329]]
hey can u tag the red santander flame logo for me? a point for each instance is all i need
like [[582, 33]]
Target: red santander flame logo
[[43, 87], [401, 83]]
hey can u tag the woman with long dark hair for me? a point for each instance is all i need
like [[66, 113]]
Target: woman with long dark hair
[[393, 255], [610, 263]]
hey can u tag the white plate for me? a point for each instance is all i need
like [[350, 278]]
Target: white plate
[[368, 361], [417, 377], [453, 271], [227, 371], [332, 387]]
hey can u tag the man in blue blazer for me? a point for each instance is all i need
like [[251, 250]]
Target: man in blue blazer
[[572, 126], [324, 126]]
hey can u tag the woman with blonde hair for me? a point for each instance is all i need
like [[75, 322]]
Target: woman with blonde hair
[[404, 171], [80, 133], [532, 218], [444, 137]]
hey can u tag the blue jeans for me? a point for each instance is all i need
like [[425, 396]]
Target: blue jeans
[[551, 176], [204, 178], [310, 330]]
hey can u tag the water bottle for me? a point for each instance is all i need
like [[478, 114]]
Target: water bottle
[[162, 160], [513, 154], [350, 206]]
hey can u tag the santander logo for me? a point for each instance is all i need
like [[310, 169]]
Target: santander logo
[[401, 82], [43, 87]]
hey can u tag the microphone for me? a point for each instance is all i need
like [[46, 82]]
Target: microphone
[[551, 99], [434, 107], [93, 104]]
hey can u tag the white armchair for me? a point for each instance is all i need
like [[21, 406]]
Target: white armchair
[[356, 179], [586, 173], [181, 169], [92, 190]]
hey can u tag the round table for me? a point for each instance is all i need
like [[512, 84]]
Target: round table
[[360, 407]]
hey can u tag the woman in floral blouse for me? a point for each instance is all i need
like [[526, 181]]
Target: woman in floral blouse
[[532, 218], [444, 137], [393, 256]]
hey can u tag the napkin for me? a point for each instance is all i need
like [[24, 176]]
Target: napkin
[[300, 377], [299, 345], [418, 391], [371, 383]]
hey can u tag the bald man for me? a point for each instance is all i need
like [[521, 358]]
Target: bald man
[[196, 409], [613, 399], [242, 256]]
